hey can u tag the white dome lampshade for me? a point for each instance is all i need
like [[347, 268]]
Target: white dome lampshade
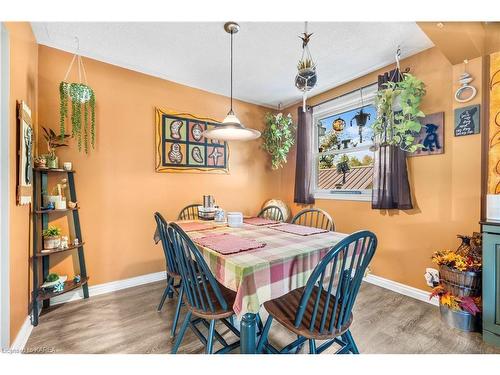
[[231, 128]]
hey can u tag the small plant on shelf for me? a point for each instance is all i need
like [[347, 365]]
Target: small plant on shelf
[[51, 237], [53, 141], [278, 138]]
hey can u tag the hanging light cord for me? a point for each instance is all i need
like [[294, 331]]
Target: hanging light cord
[[231, 110]]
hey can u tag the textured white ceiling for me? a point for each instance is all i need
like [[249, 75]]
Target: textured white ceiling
[[266, 53]]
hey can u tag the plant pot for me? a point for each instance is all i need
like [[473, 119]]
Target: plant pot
[[306, 79], [461, 320], [51, 242], [460, 283], [396, 104], [53, 163]]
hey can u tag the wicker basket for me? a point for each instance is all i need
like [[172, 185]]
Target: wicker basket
[[460, 283]]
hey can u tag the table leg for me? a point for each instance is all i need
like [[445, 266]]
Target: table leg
[[248, 333]]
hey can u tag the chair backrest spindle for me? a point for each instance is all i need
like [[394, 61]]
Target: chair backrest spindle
[[166, 244], [271, 213], [197, 279], [335, 282], [314, 217], [189, 212]]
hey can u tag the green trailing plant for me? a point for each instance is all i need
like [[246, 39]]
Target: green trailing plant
[[400, 128], [278, 137], [52, 277], [82, 98], [54, 141], [51, 231]]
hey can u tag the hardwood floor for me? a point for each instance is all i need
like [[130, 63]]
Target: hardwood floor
[[127, 322]]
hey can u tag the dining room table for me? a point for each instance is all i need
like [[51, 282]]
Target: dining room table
[[283, 264]]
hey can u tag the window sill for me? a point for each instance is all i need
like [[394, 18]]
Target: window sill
[[344, 197]]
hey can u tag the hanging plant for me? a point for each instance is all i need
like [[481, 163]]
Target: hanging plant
[[278, 137], [401, 127], [82, 100]]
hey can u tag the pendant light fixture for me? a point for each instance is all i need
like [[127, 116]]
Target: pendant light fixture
[[231, 128]]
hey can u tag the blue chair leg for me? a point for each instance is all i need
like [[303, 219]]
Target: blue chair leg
[[299, 347], [354, 348], [210, 337], [163, 298], [264, 335], [185, 324], [312, 346], [171, 288], [177, 313]]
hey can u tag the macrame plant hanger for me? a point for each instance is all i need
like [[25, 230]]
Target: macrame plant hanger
[[82, 100], [306, 77]]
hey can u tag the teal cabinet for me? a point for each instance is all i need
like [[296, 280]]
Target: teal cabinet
[[491, 283]]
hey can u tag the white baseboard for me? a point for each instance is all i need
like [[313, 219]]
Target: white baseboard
[[22, 336], [403, 289], [112, 286]]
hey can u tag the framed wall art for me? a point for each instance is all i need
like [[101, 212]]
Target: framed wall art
[[25, 153], [431, 135], [181, 146]]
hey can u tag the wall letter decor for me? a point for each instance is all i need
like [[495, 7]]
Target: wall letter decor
[[181, 146]]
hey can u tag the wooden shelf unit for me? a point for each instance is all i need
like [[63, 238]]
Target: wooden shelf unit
[[41, 222]]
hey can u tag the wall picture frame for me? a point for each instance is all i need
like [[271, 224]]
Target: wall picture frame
[[467, 120], [24, 164], [431, 135], [182, 148]]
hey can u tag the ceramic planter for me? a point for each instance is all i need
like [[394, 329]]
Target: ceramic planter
[[51, 242], [52, 163]]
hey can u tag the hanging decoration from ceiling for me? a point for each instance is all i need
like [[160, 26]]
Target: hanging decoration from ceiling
[[231, 128], [306, 77], [82, 99], [361, 118], [465, 93]]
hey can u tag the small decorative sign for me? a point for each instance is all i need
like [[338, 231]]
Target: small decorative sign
[[181, 146], [467, 120], [431, 135]]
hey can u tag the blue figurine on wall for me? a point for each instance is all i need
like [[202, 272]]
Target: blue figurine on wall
[[431, 140]]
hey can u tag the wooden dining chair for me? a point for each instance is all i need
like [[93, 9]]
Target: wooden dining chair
[[314, 217], [172, 270], [271, 213], [322, 310], [206, 299], [189, 212]]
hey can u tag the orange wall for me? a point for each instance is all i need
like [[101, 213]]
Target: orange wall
[[446, 187], [23, 86], [116, 184]]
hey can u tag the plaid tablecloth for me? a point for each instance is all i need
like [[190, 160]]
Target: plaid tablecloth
[[284, 264]]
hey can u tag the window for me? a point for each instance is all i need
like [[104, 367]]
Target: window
[[343, 145]]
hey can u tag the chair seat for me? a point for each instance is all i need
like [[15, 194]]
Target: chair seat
[[284, 309], [219, 312]]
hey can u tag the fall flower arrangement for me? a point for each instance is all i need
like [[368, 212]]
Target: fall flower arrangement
[[470, 304], [456, 261]]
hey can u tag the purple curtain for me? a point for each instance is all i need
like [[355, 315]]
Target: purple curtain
[[304, 157], [391, 189]]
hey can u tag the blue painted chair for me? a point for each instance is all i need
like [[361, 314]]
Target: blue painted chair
[[271, 213], [172, 271], [314, 217], [206, 299], [189, 212], [322, 310]]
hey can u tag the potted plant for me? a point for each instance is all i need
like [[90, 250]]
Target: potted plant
[[343, 167], [82, 99], [278, 137], [306, 76], [399, 127], [53, 141], [51, 237], [459, 288]]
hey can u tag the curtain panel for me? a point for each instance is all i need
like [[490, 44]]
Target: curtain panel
[[304, 157], [391, 189]]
